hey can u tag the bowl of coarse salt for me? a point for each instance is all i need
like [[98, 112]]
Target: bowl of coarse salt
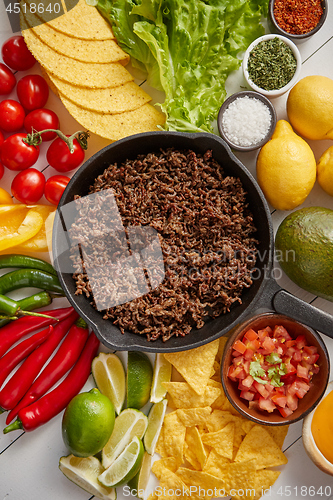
[[246, 120]]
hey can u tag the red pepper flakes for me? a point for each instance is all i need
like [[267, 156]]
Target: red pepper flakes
[[297, 16]]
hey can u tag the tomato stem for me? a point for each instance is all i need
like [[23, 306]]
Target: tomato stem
[[35, 138]]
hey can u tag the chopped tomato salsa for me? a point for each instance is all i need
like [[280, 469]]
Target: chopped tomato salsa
[[273, 370]]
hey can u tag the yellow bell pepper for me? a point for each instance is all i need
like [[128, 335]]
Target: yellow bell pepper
[[18, 223]]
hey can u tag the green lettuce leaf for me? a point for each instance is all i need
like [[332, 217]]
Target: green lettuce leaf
[[187, 49]]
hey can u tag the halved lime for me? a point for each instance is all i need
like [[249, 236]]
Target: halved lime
[[84, 473], [128, 424], [139, 483], [162, 373], [139, 379], [155, 422], [125, 466], [109, 375]]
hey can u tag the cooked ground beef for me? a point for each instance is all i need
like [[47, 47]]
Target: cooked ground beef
[[205, 231]]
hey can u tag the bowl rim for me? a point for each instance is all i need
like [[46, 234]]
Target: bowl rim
[[237, 332], [254, 95], [292, 36], [291, 83]]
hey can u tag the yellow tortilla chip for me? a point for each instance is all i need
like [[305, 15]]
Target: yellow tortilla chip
[[159, 466], [195, 444], [264, 480], [183, 396], [214, 462], [194, 416], [160, 448], [258, 444], [195, 365], [190, 457], [222, 441], [94, 75], [172, 487], [174, 435], [125, 97], [201, 483], [113, 127], [83, 22], [278, 432]]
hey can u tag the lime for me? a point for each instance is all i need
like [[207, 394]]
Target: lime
[[155, 422], [128, 424], [139, 483], [84, 473], [139, 379], [162, 373], [125, 466], [109, 375], [87, 423]]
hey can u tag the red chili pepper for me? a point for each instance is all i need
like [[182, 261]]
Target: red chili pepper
[[11, 333], [22, 379], [52, 403], [62, 361], [21, 351]]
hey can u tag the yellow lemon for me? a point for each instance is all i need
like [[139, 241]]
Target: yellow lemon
[[325, 171], [286, 168], [310, 107]]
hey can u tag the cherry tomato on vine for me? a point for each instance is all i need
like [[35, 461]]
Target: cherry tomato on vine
[[16, 154], [16, 54], [61, 159], [7, 80], [54, 187], [28, 186], [11, 115], [32, 91], [41, 119]]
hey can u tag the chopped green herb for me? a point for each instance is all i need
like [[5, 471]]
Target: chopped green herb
[[257, 371], [273, 358], [271, 64], [275, 372]]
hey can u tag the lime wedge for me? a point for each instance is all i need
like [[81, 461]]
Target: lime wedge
[[162, 373], [155, 422], [84, 473], [138, 485], [109, 375], [125, 466], [139, 379], [128, 424], [92, 3]]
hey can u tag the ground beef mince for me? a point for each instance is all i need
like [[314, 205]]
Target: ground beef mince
[[205, 232]]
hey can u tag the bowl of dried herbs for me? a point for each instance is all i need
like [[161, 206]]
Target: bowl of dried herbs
[[272, 65]]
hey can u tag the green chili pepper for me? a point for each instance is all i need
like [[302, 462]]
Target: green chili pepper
[[25, 262], [8, 306], [30, 303], [22, 278]]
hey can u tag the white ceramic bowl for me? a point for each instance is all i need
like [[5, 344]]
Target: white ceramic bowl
[[293, 81], [309, 443]]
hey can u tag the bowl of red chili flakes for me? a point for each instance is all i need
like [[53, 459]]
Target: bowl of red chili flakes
[[274, 370], [297, 19]]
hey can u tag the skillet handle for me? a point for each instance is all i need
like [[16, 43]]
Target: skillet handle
[[286, 303]]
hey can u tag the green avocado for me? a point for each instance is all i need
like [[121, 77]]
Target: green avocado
[[304, 249]]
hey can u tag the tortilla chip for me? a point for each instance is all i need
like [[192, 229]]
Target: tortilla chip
[[92, 75], [194, 416], [222, 441], [159, 466], [83, 22], [195, 444], [214, 462], [203, 482], [195, 365], [160, 448], [170, 487], [264, 480], [183, 396], [278, 432], [125, 97], [174, 435], [258, 444]]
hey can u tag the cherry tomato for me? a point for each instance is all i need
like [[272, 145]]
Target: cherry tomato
[[61, 159], [11, 115], [2, 170], [16, 154], [16, 54], [32, 91], [41, 119], [7, 80], [54, 188], [28, 186], [1, 139]]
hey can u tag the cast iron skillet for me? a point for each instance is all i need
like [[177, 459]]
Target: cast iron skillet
[[264, 294]]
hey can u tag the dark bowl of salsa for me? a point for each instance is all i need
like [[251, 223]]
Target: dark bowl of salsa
[[274, 370], [297, 20]]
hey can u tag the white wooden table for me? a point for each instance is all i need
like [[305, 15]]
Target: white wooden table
[[29, 461]]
